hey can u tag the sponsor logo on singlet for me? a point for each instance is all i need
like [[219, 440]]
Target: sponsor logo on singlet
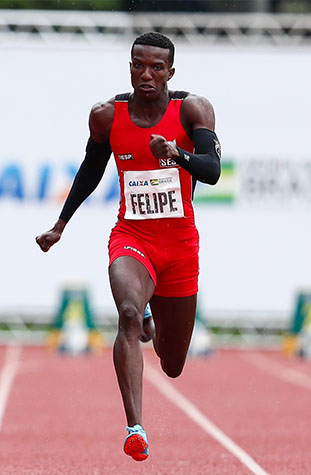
[[160, 196], [125, 156], [167, 162], [135, 250]]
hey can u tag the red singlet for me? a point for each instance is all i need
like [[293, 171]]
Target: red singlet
[[155, 221]]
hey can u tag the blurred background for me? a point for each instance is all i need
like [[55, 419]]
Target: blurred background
[[252, 60]]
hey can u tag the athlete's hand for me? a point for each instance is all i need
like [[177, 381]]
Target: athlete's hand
[[51, 237], [161, 148]]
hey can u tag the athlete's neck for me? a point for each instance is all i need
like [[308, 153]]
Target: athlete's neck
[[148, 112]]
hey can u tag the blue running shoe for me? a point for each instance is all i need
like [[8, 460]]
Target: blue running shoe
[[148, 326], [147, 313], [136, 443]]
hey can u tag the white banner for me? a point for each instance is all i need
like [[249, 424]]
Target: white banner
[[255, 225]]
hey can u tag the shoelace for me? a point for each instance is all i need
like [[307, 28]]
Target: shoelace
[[135, 429]]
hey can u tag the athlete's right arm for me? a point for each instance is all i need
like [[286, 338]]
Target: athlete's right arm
[[98, 152]]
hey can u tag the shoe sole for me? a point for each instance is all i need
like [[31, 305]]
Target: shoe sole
[[147, 336], [135, 446]]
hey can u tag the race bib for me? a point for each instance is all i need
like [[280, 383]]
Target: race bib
[[153, 194]]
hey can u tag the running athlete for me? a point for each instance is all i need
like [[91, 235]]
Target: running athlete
[[162, 141]]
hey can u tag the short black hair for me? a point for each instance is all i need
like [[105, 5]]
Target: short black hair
[[152, 38]]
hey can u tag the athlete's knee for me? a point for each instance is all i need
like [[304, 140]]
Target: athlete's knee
[[130, 319], [173, 367]]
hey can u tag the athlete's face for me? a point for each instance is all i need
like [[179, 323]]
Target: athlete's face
[[150, 70]]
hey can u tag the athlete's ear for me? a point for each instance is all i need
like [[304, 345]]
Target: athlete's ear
[[130, 64], [171, 73]]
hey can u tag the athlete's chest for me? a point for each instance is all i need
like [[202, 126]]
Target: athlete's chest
[[131, 143], [132, 152]]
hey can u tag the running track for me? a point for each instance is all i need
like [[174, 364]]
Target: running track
[[235, 412]]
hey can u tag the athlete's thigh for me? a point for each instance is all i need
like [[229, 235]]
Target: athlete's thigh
[[180, 278], [174, 320], [130, 282]]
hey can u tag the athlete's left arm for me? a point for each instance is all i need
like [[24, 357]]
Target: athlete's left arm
[[198, 119]]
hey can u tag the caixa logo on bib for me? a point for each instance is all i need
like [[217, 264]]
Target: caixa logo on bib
[[138, 183]]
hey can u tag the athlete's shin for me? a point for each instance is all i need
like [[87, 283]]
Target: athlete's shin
[[128, 362]]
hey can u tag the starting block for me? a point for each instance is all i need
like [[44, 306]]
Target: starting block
[[298, 340], [73, 330]]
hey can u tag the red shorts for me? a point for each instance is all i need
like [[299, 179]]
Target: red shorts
[[171, 260]]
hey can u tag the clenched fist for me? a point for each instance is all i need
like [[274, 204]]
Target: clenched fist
[[161, 148], [48, 239]]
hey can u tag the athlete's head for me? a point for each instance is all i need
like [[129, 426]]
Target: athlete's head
[[153, 38], [152, 64]]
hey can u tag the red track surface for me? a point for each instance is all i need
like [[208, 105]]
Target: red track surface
[[64, 416]]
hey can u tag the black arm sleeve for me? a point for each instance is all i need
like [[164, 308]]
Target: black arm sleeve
[[204, 164], [88, 176]]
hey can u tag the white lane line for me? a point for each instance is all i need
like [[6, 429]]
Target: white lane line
[[168, 390], [277, 369], [7, 375]]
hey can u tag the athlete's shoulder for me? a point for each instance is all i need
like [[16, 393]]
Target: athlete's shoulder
[[101, 118], [195, 101], [101, 110], [197, 111]]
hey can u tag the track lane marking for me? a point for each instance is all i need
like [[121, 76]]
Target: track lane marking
[[276, 369], [172, 394], [7, 375]]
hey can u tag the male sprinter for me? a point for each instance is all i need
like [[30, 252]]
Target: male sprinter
[[162, 141]]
